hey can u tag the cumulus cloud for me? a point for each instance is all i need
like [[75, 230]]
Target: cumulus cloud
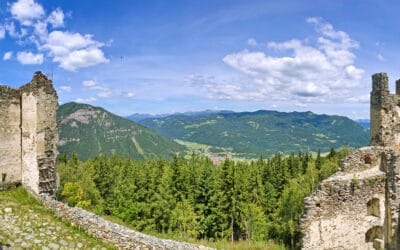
[[56, 18], [73, 50], [26, 11], [310, 70], [27, 57], [227, 90], [66, 88], [30, 26], [86, 100], [7, 55]]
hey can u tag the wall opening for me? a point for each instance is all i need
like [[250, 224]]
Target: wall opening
[[374, 233], [375, 236], [3, 177], [373, 207], [383, 165]]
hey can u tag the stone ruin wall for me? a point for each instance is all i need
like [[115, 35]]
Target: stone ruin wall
[[10, 138], [357, 208], [29, 135]]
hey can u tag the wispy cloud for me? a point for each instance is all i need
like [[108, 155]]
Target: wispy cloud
[[66, 88], [102, 91], [86, 100]]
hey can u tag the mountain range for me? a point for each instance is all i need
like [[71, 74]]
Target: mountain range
[[252, 134], [90, 131]]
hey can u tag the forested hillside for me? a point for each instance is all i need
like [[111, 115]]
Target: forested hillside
[[91, 131], [251, 134], [194, 199]]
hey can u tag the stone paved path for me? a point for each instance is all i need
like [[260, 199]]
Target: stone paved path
[[25, 224]]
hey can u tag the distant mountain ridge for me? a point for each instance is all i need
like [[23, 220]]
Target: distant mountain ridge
[[137, 117], [90, 131], [366, 123], [263, 132]]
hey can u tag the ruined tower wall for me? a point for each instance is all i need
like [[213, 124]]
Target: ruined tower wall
[[10, 137], [347, 211], [357, 208], [385, 113], [37, 131], [30, 173]]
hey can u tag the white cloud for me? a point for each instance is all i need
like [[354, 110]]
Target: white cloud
[[128, 94], [66, 88], [252, 42], [10, 28], [359, 99], [104, 93], [89, 83], [86, 100], [29, 58], [300, 105], [81, 59], [40, 29], [93, 85], [2, 32], [26, 11], [73, 51], [56, 18], [380, 57], [7, 55], [31, 25], [308, 72]]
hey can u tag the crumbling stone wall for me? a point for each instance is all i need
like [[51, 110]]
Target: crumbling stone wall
[[112, 233], [29, 135], [357, 208]]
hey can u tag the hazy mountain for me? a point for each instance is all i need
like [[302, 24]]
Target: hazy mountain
[[91, 131], [251, 134], [366, 123], [136, 117]]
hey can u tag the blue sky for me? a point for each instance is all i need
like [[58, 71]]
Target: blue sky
[[175, 56]]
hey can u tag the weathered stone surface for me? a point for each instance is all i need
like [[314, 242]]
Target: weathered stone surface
[[357, 208], [28, 135]]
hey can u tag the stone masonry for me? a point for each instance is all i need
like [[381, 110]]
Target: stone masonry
[[29, 135], [358, 207]]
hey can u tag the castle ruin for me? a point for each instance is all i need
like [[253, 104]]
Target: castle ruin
[[358, 207], [29, 135]]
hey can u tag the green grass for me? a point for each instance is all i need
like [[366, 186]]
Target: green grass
[[221, 244], [30, 216]]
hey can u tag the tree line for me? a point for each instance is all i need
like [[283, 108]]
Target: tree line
[[193, 198]]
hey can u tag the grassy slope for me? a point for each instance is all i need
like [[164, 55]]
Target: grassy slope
[[32, 226]]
